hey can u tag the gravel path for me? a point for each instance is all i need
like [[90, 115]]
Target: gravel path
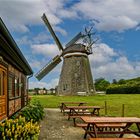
[[55, 126]]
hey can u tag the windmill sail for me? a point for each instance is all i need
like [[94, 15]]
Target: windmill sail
[[52, 32], [74, 40], [47, 68]]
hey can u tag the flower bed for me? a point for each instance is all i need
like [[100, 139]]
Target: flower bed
[[19, 129], [24, 125]]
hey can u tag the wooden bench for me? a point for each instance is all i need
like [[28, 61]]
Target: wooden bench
[[78, 116], [114, 138], [111, 127], [74, 119], [81, 125], [81, 113], [103, 127], [63, 106]]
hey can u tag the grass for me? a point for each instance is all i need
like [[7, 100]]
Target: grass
[[114, 102]]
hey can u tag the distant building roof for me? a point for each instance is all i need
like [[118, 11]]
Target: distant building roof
[[10, 51]]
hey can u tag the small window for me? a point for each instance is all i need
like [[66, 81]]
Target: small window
[[65, 86], [11, 81], [78, 63], [16, 87], [1, 85], [2, 74]]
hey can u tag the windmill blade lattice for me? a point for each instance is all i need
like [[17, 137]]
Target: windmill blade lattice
[[74, 40], [47, 68], [52, 32]]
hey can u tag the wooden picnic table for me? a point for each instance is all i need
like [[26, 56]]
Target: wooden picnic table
[[83, 111], [93, 123], [63, 105]]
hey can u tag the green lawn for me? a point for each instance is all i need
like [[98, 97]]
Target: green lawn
[[114, 102]]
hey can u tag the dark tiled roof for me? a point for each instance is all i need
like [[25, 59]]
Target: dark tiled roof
[[9, 46]]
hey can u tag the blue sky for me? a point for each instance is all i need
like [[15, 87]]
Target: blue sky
[[117, 54]]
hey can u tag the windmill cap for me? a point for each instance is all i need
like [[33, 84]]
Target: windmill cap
[[75, 48]]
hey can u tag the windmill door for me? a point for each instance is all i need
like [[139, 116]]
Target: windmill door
[[3, 92]]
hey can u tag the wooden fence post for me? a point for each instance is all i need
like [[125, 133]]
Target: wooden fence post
[[122, 110], [105, 108]]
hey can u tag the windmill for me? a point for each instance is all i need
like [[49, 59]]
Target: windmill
[[76, 77]]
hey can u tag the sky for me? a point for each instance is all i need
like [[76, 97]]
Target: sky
[[117, 24]]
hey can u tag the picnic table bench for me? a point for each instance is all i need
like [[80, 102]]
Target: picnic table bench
[[63, 106], [95, 123], [102, 127], [78, 111]]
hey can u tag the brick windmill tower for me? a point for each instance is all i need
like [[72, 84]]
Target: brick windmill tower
[[76, 77]]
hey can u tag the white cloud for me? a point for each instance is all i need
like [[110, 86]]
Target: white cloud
[[107, 63], [27, 39], [24, 40], [115, 15], [111, 15], [41, 38], [19, 15], [118, 69], [48, 50], [120, 23], [48, 85], [62, 31], [36, 64], [138, 28], [102, 54]]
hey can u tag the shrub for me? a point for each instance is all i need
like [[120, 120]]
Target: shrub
[[123, 89], [33, 111], [101, 84], [19, 129]]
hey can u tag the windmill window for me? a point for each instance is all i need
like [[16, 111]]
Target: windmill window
[[75, 75], [78, 63], [65, 86]]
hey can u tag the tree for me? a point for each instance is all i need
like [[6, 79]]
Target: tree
[[36, 90], [121, 81], [101, 84], [114, 81]]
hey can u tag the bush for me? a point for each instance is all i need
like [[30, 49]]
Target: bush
[[123, 89], [33, 111], [19, 129], [101, 84]]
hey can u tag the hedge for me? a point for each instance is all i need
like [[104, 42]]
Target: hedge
[[123, 90]]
